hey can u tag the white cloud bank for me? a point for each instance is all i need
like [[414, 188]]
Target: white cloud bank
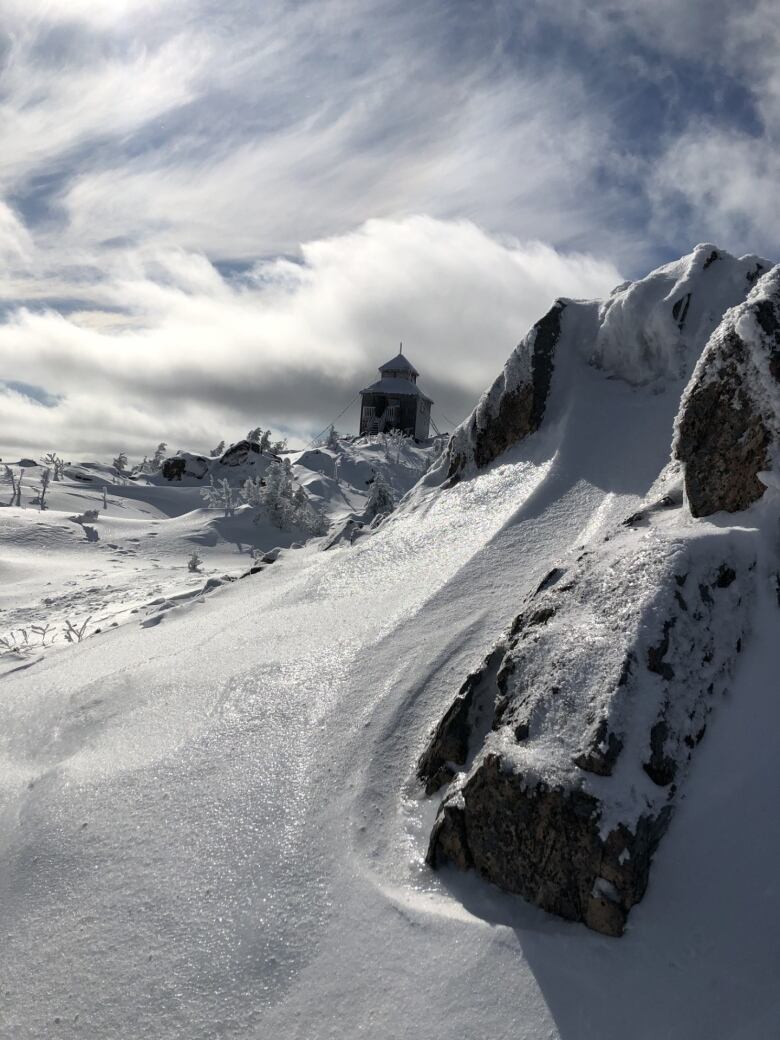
[[192, 358], [146, 140]]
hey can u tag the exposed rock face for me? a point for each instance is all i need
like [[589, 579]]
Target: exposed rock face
[[238, 453], [544, 844], [730, 417], [563, 754], [515, 404], [649, 331], [568, 746], [184, 464]]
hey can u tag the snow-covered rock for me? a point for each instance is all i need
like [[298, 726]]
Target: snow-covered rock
[[576, 733], [728, 431], [185, 464], [514, 406], [651, 331], [565, 751]]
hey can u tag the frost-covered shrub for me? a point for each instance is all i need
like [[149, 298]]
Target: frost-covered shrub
[[44, 487], [394, 442], [89, 516], [16, 485], [220, 495], [380, 501], [194, 562], [278, 495], [285, 507], [57, 465]]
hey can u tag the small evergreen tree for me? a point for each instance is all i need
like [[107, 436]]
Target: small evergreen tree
[[333, 439], [159, 455], [380, 501], [120, 463], [278, 494], [252, 492], [194, 562], [220, 495], [16, 485], [218, 451]]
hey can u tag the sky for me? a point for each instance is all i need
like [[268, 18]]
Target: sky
[[219, 214]]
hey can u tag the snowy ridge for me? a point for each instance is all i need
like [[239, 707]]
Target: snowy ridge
[[649, 331], [657, 327]]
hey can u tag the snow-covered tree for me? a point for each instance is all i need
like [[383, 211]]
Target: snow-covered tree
[[284, 506], [44, 486], [55, 463], [277, 447], [394, 441], [194, 562], [120, 462], [218, 451], [333, 439], [380, 501], [307, 516], [16, 485], [254, 436], [159, 455], [252, 492], [265, 442], [220, 495], [278, 495]]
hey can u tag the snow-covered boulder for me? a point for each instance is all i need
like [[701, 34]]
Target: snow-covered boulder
[[238, 454], [184, 464], [728, 430], [566, 749]]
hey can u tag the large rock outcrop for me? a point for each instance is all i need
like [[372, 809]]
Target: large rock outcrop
[[651, 331], [564, 752], [728, 430], [514, 405], [562, 755]]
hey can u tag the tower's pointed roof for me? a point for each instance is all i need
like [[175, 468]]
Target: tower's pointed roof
[[399, 364]]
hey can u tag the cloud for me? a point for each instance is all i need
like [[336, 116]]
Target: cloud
[[287, 344], [722, 183], [165, 160]]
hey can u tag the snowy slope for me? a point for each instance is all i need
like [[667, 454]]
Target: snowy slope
[[212, 827]]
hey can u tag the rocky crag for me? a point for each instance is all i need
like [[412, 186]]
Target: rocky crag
[[561, 758]]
